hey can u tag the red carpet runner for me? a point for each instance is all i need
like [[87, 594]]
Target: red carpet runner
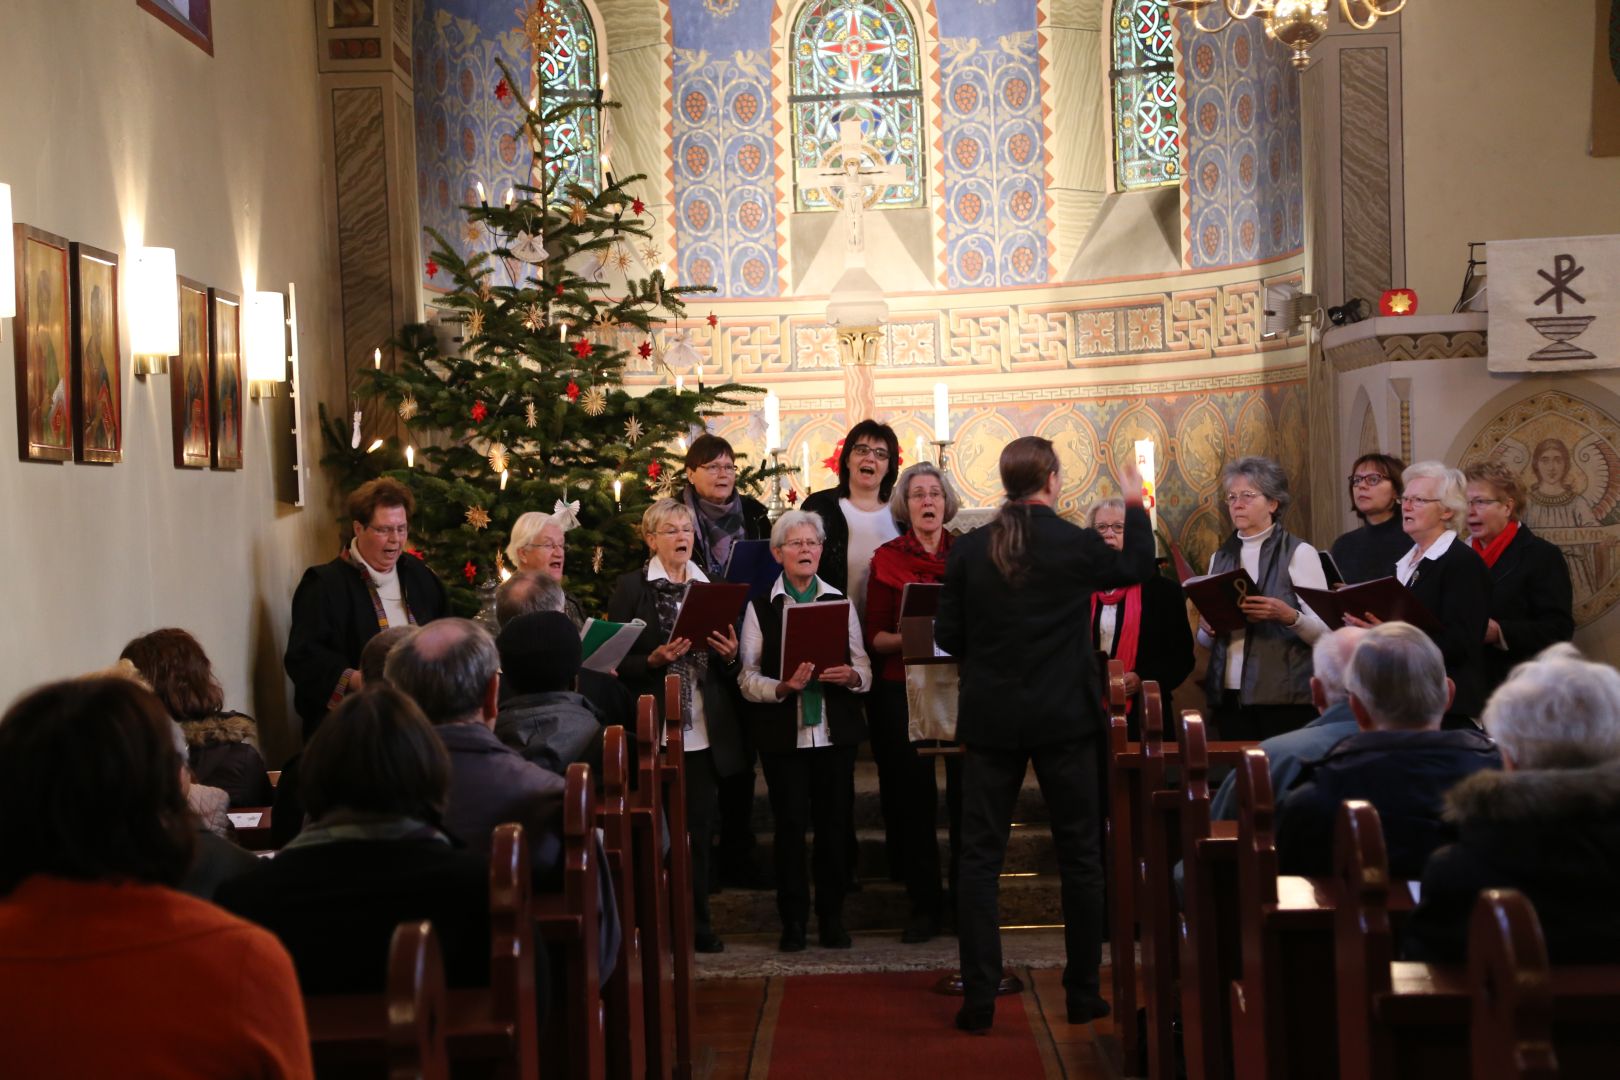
[[892, 1025]]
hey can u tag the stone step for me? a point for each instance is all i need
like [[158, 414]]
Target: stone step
[[882, 905], [869, 808], [1029, 851]]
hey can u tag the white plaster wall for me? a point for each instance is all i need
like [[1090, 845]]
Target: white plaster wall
[[116, 128]]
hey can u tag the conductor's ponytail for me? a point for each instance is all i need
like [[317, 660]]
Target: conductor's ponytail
[[1026, 464]]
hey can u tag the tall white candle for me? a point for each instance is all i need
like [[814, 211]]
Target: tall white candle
[[919, 451], [479, 186], [942, 413], [680, 384], [773, 421], [504, 474], [376, 358], [1144, 465], [618, 492], [410, 457]]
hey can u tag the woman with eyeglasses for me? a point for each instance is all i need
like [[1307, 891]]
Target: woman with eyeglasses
[[1259, 681], [537, 544], [708, 671], [807, 725], [1143, 626], [1370, 552], [1449, 578], [856, 514], [1532, 601]]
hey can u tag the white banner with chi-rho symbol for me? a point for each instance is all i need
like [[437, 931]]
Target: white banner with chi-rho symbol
[[1554, 303]]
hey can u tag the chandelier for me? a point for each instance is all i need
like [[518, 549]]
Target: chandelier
[[1298, 24]]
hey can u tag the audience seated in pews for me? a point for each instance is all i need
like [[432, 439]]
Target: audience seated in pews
[[375, 781], [223, 745], [1401, 761], [546, 719], [374, 656], [1287, 753], [529, 591], [216, 859], [1548, 825], [105, 969]]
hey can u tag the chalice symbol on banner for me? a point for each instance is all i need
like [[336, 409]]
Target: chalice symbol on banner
[[1561, 329]]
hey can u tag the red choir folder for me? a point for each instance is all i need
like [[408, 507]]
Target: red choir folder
[[709, 607], [1216, 596], [1386, 598], [817, 632], [920, 599]]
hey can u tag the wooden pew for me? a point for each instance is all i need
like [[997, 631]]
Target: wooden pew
[[673, 771], [652, 893], [488, 1024], [1407, 1019], [569, 922], [415, 1005], [622, 996], [1121, 867]]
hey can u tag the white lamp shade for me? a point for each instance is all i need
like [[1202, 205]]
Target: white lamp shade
[[154, 303], [265, 335], [8, 257]]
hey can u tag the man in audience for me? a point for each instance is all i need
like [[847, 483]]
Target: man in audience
[[529, 591], [1288, 752], [374, 583], [375, 654], [1400, 761], [546, 719]]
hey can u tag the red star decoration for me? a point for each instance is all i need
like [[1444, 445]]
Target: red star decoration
[[793, 497], [714, 320], [573, 390], [653, 470], [470, 571], [415, 551], [582, 348], [645, 348], [559, 288], [502, 91], [479, 411], [831, 463], [638, 207], [432, 268]]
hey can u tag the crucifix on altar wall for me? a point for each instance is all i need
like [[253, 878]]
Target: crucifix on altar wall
[[851, 185]]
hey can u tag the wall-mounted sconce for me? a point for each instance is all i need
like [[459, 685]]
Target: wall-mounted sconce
[[154, 309], [265, 336], [8, 258]]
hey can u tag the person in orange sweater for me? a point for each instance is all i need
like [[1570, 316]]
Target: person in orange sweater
[[105, 969]]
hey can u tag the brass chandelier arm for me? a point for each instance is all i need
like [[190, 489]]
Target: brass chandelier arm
[[1347, 8]]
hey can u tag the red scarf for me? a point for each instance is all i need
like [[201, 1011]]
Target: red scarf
[[1126, 634], [904, 560], [1492, 551]]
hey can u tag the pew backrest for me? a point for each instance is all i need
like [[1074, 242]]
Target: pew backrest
[[1512, 1021], [416, 1004]]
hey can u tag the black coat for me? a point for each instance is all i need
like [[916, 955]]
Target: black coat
[[1552, 834], [1164, 650], [1371, 552], [756, 526], [1531, 600], [223, 750], [1028, 671], [1404, 774], [633, 598], [1456, 588], [333, 618]]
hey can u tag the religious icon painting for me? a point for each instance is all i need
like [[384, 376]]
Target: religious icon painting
[[190, 393], [225, 360], [41, 346], [98, 409]]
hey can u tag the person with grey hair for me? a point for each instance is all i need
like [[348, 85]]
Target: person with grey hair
[[1548, 825], [1287, 753], [807, 725], [1142, 626], [530, 592], [1259, 681], [1448, 578], [1401, 760], [537, 543]]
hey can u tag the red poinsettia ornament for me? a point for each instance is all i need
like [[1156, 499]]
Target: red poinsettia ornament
[[503, 91], [470, 571], [479, 412], [432, 268], [638, 207], [714, 320], [645, 348], [582, 348], [573, 390], [654, 470]]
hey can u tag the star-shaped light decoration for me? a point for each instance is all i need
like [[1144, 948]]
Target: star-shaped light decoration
[[1398, 302], [594, 402], [533, 317], [531, 416], [478, 517], [475, 324], [632, 430], [498, 462], [577, 212], [408, 407]]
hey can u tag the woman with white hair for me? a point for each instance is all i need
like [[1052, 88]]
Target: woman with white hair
[[537, 544], [806, 725], [1448, 578], [1547, 825]]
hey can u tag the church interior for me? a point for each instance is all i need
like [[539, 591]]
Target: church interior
[[244, 242]]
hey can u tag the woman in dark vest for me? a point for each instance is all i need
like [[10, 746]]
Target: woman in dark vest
[[1532, 603], [806, 725], [1369, 553], [1015, 613], [1259, 681]]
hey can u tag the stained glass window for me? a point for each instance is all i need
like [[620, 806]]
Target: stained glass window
[[568, 71], [1147, 130], [857, 60]]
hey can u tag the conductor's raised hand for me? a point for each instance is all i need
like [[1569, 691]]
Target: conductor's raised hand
[[669, 652], [842, 675], [724, 645], [800, 679], [1130, 481]]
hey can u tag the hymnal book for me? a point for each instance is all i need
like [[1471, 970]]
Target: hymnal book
[[1217, 596], [751, 563], [817, 632], [604, 645], [708, 608], [1331, 570], [920, 599], [1384, 598]]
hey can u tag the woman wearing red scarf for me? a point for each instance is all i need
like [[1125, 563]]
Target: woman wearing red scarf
[[923, 499], [1143, 626], [1531, 599]]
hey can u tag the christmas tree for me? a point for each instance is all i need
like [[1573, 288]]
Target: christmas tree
[[530, 408]]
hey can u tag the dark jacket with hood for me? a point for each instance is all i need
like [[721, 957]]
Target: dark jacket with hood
[[224, 752], [553, 729]]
